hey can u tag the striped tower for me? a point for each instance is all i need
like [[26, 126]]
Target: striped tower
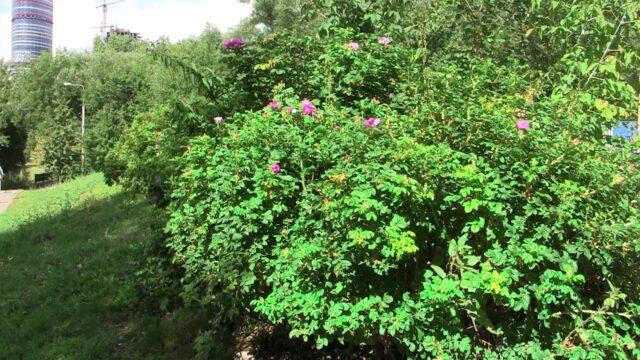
[[31, 28]]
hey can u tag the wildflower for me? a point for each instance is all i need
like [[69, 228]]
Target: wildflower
[[523, 125], [274, 105], [157, 145], [292, 110], [354, 46], [384, 40], [276, 168], [218, 119], [308, 108], [234, 43], [372, 122]]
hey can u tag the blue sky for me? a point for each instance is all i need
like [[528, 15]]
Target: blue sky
[[176, 19]]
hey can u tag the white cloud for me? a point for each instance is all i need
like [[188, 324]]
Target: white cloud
[[76, 22], [5, 30]]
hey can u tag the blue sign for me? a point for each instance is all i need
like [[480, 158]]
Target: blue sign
[[627, 129]]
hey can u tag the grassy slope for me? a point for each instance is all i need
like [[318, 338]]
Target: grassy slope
[[68, 256]]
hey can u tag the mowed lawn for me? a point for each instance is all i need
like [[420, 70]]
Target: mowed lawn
[[68, 286]]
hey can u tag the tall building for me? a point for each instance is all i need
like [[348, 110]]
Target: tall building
[[122, 32], [31, 28]]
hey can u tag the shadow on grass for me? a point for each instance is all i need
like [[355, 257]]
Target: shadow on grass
[[68, 286]]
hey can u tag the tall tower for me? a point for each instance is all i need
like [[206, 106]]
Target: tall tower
[[31, 28]]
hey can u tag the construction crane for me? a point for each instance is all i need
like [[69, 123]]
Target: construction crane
[[105, 5]]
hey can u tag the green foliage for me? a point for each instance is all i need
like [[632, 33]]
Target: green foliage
[[446, 233], [120, 78], [148, 154], [373, 71], [4, 95], [601, 54], [253, 71], [63, 146], [121, 85], [441, 232], [292, 15]]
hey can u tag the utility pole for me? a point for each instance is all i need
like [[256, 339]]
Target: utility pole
[[105, 5], [68, 84]]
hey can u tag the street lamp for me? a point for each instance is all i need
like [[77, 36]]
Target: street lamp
[[68, 84]]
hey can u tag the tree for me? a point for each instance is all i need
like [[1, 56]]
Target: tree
[[62, 144]]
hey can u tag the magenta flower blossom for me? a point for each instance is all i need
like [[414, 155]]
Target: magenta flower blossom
[[372, 122], [384, 40], [354, 46], [292, 110], [276, 168], [234, 43], [218, 119], [274, 105], [308, 108], [523, 125]]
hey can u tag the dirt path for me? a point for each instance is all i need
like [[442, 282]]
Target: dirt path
[[6, 197]]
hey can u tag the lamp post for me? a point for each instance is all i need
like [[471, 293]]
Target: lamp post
[[68, 84]]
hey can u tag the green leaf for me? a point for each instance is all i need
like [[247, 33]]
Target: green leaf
[[439, 271]]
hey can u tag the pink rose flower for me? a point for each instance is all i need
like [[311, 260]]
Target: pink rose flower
[[372, 122], [354, 46], [523, 125], [218, 119], [276, 168], [234, 43], [384, 40], [308, 108], [274, 105]]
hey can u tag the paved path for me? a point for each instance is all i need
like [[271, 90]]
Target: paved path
[[6, 197]]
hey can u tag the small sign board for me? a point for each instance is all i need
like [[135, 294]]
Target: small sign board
[[627, 129]]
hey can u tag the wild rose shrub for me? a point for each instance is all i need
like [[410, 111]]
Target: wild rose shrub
[[328, 69], [251, 72], [447, 233], [149, 155], [409, 210], [360, 66]]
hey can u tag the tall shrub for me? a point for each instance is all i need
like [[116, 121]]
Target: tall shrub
[[485, 224]]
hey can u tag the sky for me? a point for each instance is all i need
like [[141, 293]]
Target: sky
[[76, 21]]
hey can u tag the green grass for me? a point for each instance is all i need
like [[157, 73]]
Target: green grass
[[68, 289]]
